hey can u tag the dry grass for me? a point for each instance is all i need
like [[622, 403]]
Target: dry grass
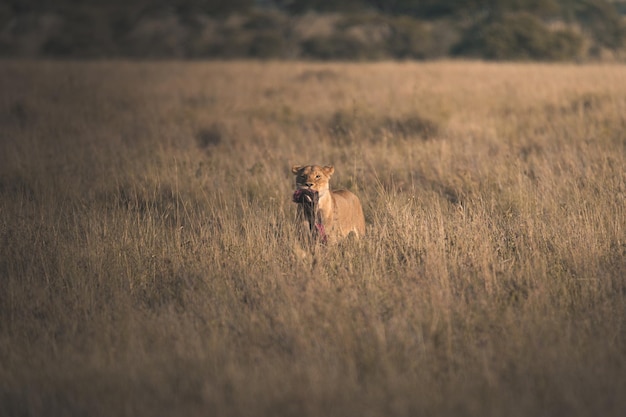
[[146, 240]]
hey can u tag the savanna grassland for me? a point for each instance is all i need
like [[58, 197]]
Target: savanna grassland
[[149, 264]]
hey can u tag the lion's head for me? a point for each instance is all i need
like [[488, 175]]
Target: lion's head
[[313, 177]]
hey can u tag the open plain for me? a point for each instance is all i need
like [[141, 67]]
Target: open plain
[[147, 241]]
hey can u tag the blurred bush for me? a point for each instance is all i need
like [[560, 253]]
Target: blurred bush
[[375, 36], [518, 36], [336, 46], [409, 39]]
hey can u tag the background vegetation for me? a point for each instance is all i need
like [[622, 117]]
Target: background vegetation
[[147, 262], [315, 29]]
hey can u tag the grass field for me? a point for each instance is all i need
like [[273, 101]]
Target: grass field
[[149, 265]]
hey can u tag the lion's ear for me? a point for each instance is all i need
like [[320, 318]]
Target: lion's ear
[[328, 170], [295, 169]]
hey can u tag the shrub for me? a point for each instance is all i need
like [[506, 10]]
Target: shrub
[[565, 44], [409, 39], [84, 33], [336, 46], [229, 44], [518, 37], [373, 36], [603, 21], [264, 21], [268, 44]]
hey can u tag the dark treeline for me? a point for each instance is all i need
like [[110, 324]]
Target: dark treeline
[[314, 29], [431, 8]]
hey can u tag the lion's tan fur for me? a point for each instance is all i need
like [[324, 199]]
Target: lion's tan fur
[[340, 211]]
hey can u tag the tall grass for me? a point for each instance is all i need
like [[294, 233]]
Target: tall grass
[[147, 262]]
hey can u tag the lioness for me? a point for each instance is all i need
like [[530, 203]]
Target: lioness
[[328, 215]]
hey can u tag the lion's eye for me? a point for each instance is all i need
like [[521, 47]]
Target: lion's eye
[[318, 176]]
